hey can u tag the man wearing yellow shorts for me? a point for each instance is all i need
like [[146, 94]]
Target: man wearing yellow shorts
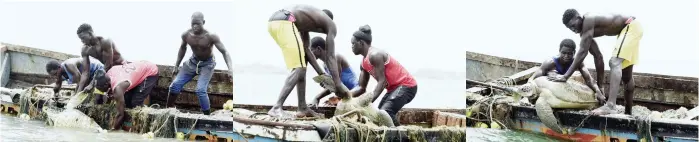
[[290, 28], [628, 32]]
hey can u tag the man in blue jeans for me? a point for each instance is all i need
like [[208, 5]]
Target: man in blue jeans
[[202, 62]]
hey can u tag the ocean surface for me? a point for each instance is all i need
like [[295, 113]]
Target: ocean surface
[[14, 129]]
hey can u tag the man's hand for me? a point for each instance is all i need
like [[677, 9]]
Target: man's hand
[[87, 88], [600, 98], [557, 78], [175, 70], [314, 104]]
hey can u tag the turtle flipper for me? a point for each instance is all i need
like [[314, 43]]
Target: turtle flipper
[[327, 82], [385, 119], [545, 112]]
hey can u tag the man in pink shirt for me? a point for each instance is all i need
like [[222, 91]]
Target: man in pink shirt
[[128, 84]]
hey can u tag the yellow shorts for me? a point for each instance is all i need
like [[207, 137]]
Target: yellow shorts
[[627, 44], [287, 37]]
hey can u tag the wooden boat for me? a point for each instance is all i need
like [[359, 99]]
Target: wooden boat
[[23, 67], [656, 92]]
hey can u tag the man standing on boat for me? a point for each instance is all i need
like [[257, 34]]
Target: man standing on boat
[[201, 63], [561, 64], [100, 48], [69, 70], [128, 84], [349, 79], [628, 31], [290, 28], [389, 75]]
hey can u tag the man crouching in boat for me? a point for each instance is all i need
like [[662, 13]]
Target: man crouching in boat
[[389, 74], [559, 65], [349, 79], [69, 70], [129, 84]]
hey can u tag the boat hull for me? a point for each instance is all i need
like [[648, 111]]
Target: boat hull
[[656, 92]]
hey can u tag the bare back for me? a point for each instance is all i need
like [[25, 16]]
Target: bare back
[[308, 18], [607, 24], [201, 45]]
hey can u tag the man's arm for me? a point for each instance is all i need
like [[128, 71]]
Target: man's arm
[[545, 67], [107, 53], [363, 82], [588, 79], [86, 68], [224, 52], [59, 83], [377, 60], [321, 95], [182, 51], [119, 91], [332, 61], [310, 58], [586, 41], [73, 69]]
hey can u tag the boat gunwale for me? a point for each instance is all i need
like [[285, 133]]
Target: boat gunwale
[[660, 78]]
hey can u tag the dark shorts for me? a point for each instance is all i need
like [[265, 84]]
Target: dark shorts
[[138, 94], [393, 101]]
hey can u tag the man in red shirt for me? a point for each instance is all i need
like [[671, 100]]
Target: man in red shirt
[[128, 84], [389, 75]]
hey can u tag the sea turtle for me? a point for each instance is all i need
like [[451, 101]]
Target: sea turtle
[[360, 105], [568, 95]]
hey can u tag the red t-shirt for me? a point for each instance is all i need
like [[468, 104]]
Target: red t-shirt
[[134, 73], [396, 74]]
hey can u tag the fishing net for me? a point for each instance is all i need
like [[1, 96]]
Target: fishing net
[[344, 130], [161, 122], [492, 110]]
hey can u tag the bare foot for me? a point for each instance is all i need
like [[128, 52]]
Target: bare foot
[[604, 110], [307, 113], [276, 112]]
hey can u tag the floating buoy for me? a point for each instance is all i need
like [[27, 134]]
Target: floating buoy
[[24, 116], [180, 136], [481, 125], [494, 125], [148, 135], [228, 105]]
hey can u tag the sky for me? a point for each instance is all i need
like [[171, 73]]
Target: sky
[[141, 30], [420, 38], [531, 30], [428, 37]]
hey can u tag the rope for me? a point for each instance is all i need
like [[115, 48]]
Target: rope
[[163, 125], [195, 123], [575, 129]]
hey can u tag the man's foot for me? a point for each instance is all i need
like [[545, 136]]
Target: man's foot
[[276, 112], [604, 110], [206, 112], [306, 113]]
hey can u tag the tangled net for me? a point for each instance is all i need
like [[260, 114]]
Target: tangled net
[[342, 132], [161, 122]]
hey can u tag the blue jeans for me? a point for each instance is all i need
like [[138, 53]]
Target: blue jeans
[[191, 68]]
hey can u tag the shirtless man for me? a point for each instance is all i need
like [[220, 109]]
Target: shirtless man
[[202, 62], [561, 64], [387, 71], [291, 25], [349, 79], [628, 31], [101, 48], [69, 70]]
